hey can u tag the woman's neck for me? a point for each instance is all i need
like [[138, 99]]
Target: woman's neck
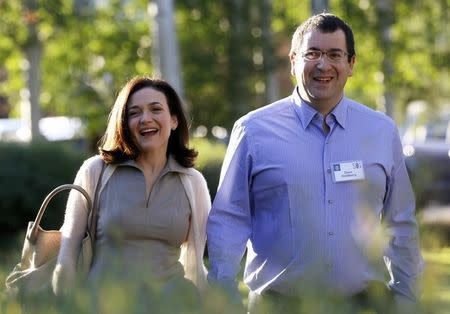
[[152, 163]]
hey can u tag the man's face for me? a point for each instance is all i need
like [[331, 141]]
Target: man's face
[[321, 82]]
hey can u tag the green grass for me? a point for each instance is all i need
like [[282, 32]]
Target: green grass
[[435, 287], [436, 280]]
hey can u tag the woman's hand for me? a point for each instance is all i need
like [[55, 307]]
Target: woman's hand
[[63, 279]]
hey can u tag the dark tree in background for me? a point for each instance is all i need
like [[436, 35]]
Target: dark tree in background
[[385, 20], [319, 6]]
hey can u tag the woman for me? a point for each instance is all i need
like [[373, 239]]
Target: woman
[[152, 203]]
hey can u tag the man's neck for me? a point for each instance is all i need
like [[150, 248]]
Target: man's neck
[[323, 108]]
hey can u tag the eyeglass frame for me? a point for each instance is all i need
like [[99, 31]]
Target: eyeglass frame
[[345, 54]]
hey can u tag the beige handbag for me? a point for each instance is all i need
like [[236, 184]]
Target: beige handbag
[[41, 247]]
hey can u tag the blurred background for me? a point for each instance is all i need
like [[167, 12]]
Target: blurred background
[[63, 61]]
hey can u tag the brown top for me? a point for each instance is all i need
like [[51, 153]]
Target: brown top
[[139, 236]]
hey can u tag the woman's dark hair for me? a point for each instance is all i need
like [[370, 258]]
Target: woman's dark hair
[[117, 143], [326, 23]]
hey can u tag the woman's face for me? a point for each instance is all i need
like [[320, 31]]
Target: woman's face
[[149, 120]]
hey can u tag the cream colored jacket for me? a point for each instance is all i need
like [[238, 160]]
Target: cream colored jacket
[[76, 217]]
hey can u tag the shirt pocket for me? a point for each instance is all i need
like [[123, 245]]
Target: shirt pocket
[[272, 222], [373, 189]]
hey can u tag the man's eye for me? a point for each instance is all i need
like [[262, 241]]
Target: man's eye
[[312, 54], [336, 55]]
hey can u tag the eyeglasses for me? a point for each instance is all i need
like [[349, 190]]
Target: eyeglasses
[[335, 55]]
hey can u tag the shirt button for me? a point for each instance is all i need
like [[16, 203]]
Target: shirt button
[[329, 266], [330, 202], [330, 233], [329, 170]]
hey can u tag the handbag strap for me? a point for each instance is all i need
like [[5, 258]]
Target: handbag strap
[[92, 228], [32, 234]]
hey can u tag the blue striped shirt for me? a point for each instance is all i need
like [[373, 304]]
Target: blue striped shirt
[[277, 198]]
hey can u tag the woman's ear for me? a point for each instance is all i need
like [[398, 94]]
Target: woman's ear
[[173, 122]]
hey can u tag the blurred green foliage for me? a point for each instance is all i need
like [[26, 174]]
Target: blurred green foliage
[[87, 55], [116, 298], [209, 161], [28, 173], [91, 48]]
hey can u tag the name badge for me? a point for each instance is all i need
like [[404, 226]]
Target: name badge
[[348, 171]]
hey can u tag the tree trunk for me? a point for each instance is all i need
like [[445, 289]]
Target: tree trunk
[[166, 53], [319, 6], [33, 53], [385, 15], [268, 53], [238, 57]]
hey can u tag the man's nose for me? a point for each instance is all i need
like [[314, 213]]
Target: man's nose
[[323, 62]]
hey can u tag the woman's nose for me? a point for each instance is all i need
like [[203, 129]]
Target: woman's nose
[[146, 116]]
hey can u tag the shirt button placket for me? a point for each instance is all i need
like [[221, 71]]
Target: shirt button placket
[[329, 266], [328, 204]]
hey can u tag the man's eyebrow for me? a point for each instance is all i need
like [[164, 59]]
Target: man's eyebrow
[[318, 49]]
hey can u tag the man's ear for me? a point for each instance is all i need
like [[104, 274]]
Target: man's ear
[[292, 60], [351, 64]]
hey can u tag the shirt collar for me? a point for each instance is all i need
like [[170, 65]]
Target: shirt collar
[[306, 113], [171, 165], [340, 112]]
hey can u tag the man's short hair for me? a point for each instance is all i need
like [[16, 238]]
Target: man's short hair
[[326, 23]]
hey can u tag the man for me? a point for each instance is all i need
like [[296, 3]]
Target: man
[[311, 183]]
